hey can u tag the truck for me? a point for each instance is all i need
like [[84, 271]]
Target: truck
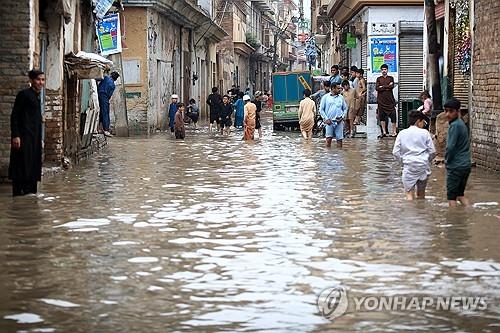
[[288, 89]]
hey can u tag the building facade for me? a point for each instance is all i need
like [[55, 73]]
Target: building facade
[[370, 33], [169, 49]]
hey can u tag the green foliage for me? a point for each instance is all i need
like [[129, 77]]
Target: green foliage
[[252, 40]]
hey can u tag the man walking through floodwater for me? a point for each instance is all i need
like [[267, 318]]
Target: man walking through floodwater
[[333, 109], [249, 119], [307, 115], [457, 159], [25, 168], [214, 101], [105, 91]]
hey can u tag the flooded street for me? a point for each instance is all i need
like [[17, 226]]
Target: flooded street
[[215, 234]]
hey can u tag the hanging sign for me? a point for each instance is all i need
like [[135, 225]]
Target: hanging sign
[[383, 29], [351, 41], [383, 50], [108, 34]]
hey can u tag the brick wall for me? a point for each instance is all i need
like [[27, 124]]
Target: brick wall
[[485, 129], [14, 66], [53, 127]]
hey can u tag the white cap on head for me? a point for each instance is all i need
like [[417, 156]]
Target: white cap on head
[[246, 98], [258, 93], [175, 96]]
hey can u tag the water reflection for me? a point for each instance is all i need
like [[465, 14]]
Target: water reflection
[[217, 234]]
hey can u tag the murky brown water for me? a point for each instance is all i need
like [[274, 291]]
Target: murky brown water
[[215, 234]]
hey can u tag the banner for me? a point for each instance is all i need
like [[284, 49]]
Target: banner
[[383, 50], [108, 34], [102, 7]]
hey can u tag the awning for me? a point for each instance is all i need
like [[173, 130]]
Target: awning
[[439, 9], [86, 65]]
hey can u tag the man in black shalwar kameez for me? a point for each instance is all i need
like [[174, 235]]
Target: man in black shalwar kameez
[[25, 168]]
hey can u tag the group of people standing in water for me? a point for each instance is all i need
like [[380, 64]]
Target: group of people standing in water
[[221, 108]]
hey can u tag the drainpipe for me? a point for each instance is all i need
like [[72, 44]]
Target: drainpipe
[[472, 112], [191, 47], [181, 87], [472, 26], [446, 52]]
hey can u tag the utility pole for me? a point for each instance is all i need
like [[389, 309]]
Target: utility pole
[[432, 54]]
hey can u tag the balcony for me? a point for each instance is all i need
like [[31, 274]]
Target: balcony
[[264, 5], [243, 48]]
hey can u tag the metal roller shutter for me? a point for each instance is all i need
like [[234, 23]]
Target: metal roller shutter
[[411, 58], [364, 65], [364, 52]]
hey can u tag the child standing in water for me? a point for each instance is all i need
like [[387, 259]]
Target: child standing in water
[[172, 109], [415, 150], [225, 115], [193, 111], [179, 128]]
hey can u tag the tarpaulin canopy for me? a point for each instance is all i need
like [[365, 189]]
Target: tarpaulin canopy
[[86, 65]]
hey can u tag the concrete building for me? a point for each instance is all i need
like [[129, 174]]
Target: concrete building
[[259, 32], [285, 23], [364, 30], [42, 34], [323, 30], [245, 57], [170, 49]]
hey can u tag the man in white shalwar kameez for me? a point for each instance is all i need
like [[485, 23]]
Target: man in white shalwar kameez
[[415, 150]]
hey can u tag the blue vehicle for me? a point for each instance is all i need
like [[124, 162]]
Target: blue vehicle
[[288, 88]]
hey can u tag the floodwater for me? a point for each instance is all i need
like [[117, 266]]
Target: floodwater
[[215, 234]]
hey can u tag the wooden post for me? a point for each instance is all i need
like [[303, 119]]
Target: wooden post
[[119, 102]]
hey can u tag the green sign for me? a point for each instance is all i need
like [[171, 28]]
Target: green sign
[[135, 94], [351, 41]]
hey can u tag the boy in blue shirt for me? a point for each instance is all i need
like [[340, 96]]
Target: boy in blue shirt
[[172, 110], [457, 158]]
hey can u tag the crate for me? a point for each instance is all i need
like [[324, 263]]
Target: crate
[[406, 107]]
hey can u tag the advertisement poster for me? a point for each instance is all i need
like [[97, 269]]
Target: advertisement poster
[[108, 34], [383, 50]]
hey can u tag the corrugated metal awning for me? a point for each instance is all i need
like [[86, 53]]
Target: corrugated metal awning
[[439, 11]]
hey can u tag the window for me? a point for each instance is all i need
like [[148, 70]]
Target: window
[[132, 71]]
